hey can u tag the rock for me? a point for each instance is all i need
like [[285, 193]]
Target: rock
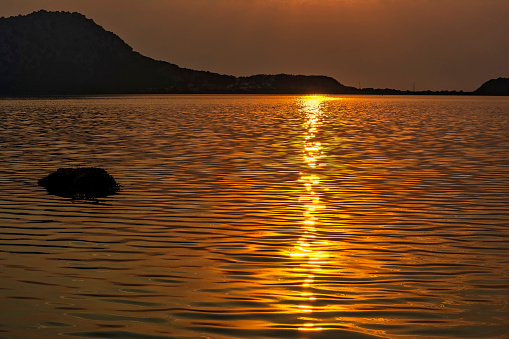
[[80, 183]]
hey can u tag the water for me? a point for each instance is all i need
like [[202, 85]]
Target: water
[[257, 217]]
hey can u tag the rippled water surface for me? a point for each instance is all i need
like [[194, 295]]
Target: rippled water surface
[[257, 217]]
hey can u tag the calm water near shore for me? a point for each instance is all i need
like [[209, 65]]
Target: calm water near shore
[[257, 217]]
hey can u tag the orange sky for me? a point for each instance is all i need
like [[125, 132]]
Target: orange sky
[[439, 44]]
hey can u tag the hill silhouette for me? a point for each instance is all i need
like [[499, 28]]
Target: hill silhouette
[[66, 53], [498, 86], [55, 53]]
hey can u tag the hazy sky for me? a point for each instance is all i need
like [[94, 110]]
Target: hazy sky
[[438, 44]]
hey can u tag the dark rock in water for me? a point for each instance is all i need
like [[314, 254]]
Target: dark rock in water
[[80, 183]]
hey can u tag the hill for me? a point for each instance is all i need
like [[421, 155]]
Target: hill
[[498, 86], [66, 53]]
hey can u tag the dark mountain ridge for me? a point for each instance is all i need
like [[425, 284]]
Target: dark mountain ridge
[[66, 53], [498, 86], [58, 53]]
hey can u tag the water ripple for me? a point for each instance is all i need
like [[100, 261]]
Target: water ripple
[[258, 217]]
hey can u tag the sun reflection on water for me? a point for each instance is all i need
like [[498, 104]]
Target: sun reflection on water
[[308, 249]]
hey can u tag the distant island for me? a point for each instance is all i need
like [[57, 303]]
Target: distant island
[[63, 53], [498, 86]]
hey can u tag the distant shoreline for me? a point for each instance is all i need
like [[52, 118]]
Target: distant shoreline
[[61, 53], [106, 95]]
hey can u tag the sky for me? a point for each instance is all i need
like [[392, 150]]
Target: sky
[[436, 44]]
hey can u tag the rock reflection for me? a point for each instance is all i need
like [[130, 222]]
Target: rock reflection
[[307, 250]]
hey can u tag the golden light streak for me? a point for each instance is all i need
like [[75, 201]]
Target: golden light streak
[[308, 248]]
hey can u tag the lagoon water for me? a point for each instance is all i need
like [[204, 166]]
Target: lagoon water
[[257, 217]]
